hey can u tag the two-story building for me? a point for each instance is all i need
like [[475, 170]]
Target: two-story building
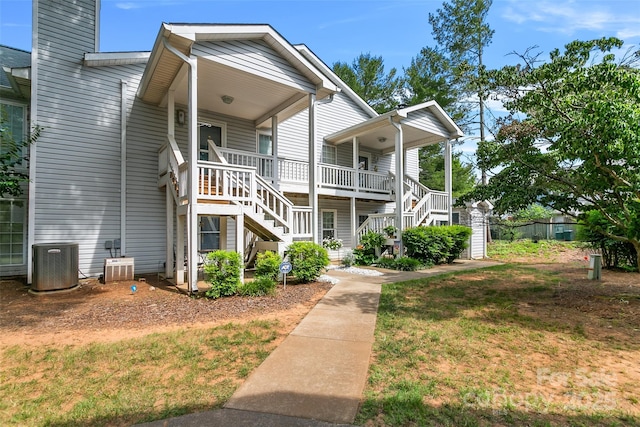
[[222, 136]]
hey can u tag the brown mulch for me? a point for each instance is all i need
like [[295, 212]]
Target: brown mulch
[[108, 312]]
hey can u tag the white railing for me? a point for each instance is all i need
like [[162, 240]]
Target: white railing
[[374, 182], [261, 162], [337, 177], [293, 171], [269, 201], [376, 223], [302, 221], [219, 181]]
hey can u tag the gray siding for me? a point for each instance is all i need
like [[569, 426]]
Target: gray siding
[[77, 196], [255, 57], [425, 120]]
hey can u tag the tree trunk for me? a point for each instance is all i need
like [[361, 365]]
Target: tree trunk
[[636, 245]]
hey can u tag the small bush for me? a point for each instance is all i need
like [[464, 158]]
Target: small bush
[[348, 260], [223, 270], [403, 263], [365, 252], [268, 264], [407, 264], [308, 259], [259, 286], [435, 245]]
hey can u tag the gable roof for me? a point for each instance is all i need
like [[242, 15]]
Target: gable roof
[[15, 76], [165, 69]]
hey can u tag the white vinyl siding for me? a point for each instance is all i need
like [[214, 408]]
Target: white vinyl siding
[[426, 120]]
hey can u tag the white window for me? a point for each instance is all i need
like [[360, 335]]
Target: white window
[[329, 228], [14, 126], [329, 154], [209, 233], [12, 232], [265, 144], [211, 134]]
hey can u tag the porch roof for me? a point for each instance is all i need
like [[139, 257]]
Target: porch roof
[[422, 124], [255, 97]]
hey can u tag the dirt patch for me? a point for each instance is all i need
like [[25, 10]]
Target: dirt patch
[[98, 312]]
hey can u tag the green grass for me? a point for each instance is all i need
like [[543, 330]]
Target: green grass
[[504, 250], [459, 350], [154, 377]]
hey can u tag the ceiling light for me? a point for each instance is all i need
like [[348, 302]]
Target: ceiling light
[[382, 139], [227, 99]]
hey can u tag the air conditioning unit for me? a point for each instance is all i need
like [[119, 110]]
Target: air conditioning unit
[[55, 266], [118, 269]]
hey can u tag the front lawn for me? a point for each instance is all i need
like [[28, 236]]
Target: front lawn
[[516, 344]]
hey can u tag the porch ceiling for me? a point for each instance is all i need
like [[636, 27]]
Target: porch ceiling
[[255, 97], [378, 133]]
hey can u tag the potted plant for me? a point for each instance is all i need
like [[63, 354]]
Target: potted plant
[[390, 231]]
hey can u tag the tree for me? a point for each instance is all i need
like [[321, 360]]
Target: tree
[[432, 170], [366, 76], [461, 28], [572, 141], [12, 155]]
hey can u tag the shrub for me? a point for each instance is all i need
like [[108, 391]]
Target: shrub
[[268, 264], [435, 245], [407, 264], [460, 235], [403, 263], [371, 240], [332, 243], [308, 259], [365, 252], [348, 260], [259, 286], [223, 270], [615, 254]]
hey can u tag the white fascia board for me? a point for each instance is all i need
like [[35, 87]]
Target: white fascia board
[[115, 58], [318, 63], [221, 32], [364, 127]]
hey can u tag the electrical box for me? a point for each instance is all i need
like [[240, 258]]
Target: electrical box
[[118, 269]]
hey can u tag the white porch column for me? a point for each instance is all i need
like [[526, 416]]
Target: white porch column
[[180, 250], [274, 149], [192, 207], [399, 182], [313, 162], [240, 242], [168, 262], [354, 223], [448, 187], [355, 147]]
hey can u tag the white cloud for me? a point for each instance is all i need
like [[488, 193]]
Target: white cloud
[[128, 5], [570, 16]]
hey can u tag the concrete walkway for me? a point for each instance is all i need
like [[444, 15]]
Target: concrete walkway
[[316, 377]]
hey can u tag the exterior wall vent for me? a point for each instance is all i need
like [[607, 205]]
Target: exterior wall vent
[[55, 266], [118, 269]]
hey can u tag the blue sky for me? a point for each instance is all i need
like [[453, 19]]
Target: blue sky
[[341, 30]]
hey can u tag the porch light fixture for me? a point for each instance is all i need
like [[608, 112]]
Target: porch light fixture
[[382, 139], [227, 99], [181, 115]]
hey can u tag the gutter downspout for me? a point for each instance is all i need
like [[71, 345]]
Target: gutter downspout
[[313, 164], [31, 192], [192, 212], [123, 167], [399, 183]]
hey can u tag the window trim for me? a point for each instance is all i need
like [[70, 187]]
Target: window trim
[[335, 222], [26, 134], [335, 154], [12, 202], [266, 133]]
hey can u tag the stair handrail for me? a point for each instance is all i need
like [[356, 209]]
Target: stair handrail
[[274, 203], [376, 223], [177, 169]]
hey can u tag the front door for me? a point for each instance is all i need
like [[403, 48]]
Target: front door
[[209, 135]]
